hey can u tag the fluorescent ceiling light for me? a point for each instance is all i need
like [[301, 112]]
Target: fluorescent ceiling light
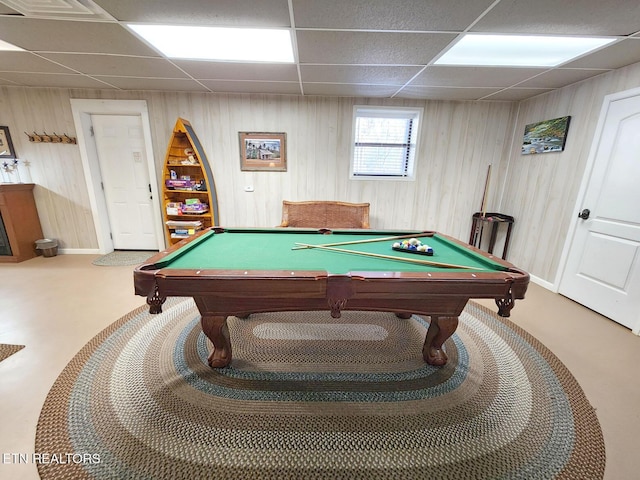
[[518, 50], [7, 47], [216, 43]]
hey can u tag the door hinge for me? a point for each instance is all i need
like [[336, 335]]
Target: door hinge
[[102, 186], [111, 235], [91, 131]]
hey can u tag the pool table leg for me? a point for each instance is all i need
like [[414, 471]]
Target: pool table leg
[[155, 301], [505, 304], [216, 329], [440, 329]]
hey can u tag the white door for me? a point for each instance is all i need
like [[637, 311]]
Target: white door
[[603, 263], [125, 178]]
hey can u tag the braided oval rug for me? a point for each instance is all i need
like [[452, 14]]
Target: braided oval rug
[[6, 350], [311, 397]]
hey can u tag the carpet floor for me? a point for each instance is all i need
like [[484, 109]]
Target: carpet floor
[[123, 257], [312, 397]]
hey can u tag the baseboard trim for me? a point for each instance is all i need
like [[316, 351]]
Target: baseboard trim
[[78, 251], [543, 283]]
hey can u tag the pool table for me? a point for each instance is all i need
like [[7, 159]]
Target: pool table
[[249, 270]]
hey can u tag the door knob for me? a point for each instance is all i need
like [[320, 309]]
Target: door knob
[[584, 214]]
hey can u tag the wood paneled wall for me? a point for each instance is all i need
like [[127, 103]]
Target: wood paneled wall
[[541, 190], [459, 140]]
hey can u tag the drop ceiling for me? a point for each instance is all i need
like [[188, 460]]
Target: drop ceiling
[[365, 48]]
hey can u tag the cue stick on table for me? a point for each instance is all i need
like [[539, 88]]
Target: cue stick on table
[[369, 240], [390, 257]]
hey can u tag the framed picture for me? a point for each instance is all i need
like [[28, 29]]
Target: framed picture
[[545, 137], [261, 151], [6, 145]]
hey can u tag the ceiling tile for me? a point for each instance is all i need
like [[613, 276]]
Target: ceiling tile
[[348, 90], [616, 56], [371, 74], [418, 15], [587, 17], [239, 71], [28, 62], [5, 10], [478, 76], [517, 94], [118, 65], [445, 93], [370, 48], [6, 82], [174, 84], [222, 86], [66, 36], [559, 78], [229, 13], [59, 80]]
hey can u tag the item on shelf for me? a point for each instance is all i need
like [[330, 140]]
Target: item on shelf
[[200, 187], [174, 208], [179, 184], [194, 207], [183, 228], [184, 224]]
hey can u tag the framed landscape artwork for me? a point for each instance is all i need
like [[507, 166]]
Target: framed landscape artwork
[[263, 151], [545, 137], [6, 145]]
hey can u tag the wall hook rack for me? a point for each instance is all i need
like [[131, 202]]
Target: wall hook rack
[[55, 138]]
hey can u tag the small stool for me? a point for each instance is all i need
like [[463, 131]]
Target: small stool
[[494, 219]]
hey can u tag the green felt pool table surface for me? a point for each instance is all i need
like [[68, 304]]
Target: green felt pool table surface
[[243, 271], [260, 249]]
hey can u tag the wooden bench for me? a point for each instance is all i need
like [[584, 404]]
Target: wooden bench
[[325, 214]]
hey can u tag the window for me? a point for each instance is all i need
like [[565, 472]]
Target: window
[[384, 142]]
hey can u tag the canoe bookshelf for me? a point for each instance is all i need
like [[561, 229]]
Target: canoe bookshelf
[[190, 200]]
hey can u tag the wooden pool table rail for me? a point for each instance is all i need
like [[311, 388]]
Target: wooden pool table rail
[[440, 295]]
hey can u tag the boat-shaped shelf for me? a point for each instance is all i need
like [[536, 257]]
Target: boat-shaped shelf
[[187, 185]]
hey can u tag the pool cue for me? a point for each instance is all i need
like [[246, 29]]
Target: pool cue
[[486, 191], [483, 208], [369, 240], [390, 257]]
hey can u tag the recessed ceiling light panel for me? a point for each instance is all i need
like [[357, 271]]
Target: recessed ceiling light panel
[[519, 50], [217, 43], [7, 47]]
